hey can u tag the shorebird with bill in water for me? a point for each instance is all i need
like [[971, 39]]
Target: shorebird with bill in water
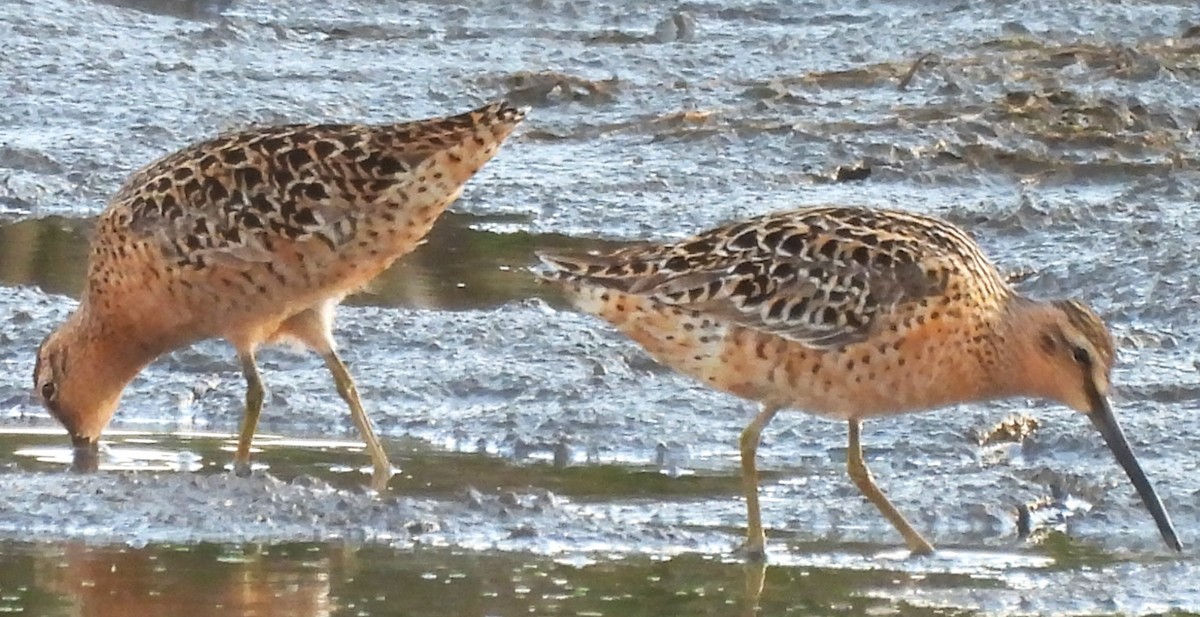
[[850, 313], [254, 237]]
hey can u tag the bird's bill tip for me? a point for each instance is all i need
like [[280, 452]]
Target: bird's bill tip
[[1102, 417], [85, 455], [83, 442]]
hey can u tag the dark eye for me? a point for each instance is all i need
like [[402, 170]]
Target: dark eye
[[1081, 355], [49, 390]]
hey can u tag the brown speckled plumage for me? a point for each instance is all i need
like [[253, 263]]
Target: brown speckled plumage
[[822, 277], [848, 313], [254, 237]]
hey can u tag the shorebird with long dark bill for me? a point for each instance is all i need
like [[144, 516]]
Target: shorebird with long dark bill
[[849, 314], [254, 237]]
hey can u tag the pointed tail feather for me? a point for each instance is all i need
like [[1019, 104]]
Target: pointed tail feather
[[618, 270], [502, 111], [496, 115]]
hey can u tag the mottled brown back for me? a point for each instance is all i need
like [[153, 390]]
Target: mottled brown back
[[821, 276], [242, 192], [288, 214]]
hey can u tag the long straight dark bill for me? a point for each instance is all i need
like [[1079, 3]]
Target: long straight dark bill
[[1102, 416], [85, 455]]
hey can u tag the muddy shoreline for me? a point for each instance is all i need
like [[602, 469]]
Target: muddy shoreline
[[549, 465]]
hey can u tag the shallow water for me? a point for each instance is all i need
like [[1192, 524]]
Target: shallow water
[[461, 266], [548, 466], [467, 534], [348, 579]]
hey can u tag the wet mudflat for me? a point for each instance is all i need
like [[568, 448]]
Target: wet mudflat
[[548, 467]]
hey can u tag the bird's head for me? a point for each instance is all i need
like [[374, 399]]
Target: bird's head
[[1068, 355], [78, 384]]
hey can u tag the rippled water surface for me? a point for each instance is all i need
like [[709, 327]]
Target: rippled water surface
[[549, 467]]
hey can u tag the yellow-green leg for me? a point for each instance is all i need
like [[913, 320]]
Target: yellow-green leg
[[254, 402], [862, 478], [349, 393], [755, 547], [755, 574]]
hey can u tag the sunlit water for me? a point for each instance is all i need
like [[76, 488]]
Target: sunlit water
[[545, 465]]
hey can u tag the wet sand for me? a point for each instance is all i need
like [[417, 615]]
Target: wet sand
[[549, 465]]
